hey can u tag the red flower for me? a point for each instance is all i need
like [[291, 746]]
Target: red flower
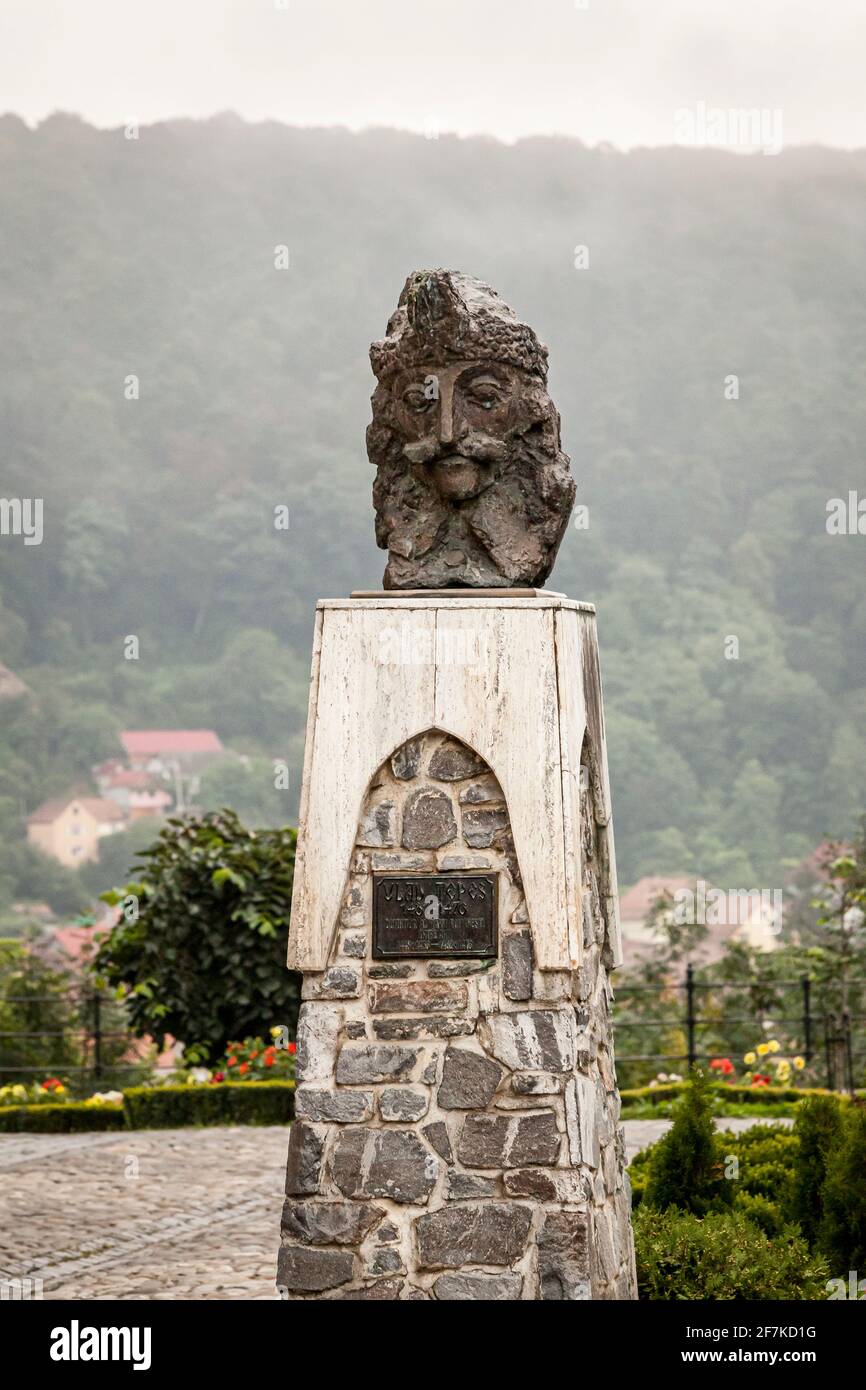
[[51, 1084], [722, 1064], [760, 1080], [244, 1066], [232, 1061], [253, 1056], [293, 1047], [218, 1076], [269, 1061]]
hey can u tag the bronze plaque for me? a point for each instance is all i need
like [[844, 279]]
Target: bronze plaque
[[434, 915]]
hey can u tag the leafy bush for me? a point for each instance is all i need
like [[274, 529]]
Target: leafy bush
[[228, 1103], [842, 1233], [685, 1168], [204, 956], [760, 1210], [74, 1117], [818, 1130], [723, 1256]]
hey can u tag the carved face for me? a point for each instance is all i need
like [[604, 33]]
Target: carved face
[[455, 421]]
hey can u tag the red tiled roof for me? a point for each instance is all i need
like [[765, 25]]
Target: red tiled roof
[[141, 742]]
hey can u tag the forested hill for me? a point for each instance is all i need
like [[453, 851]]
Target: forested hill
[[155, 258]]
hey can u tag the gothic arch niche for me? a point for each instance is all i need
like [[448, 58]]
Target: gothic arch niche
[[456, 1119], [434, 804]]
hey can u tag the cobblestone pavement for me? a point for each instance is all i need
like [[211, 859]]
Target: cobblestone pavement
[[187, 1213]]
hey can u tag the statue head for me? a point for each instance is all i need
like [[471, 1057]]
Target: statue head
[[472, 488]]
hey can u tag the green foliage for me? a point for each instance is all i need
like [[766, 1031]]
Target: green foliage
[[205, 958], [226, 1103], [39, 1015], [761, 1212], [685, 1168], [818, 1129], [76, 1117], [724, 1256], [842, 1235]]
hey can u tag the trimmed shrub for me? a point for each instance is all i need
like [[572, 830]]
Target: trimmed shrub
[[818, 1129], [229, 1103], [685, 1168], [723, 1256], [842, 1233], [70, 1118], [640, 1096]]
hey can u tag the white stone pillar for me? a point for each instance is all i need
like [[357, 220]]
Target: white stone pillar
[[456, 1131]]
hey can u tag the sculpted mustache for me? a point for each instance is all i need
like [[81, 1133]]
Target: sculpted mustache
[[481, 448]]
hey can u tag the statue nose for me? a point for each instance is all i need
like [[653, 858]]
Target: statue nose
[[446, 423]]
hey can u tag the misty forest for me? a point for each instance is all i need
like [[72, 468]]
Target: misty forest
[[655, 278]]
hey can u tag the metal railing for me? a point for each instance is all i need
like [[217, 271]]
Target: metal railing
[[835, 1027], [85, 1033]]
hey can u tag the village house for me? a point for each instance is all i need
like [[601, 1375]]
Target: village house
[[746, 917], [70, 828], [176, 757]]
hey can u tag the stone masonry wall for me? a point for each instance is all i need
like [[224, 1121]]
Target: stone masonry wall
[[456, 1133]]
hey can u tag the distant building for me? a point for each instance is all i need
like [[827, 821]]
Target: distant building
[[121, 784], [70, 828], [637, 903], [11, 686], [746, 916], [148, 804]]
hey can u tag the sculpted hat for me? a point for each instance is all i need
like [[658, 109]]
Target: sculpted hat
[[454, 317]]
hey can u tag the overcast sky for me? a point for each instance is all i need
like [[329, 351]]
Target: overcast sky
[[615, 71]]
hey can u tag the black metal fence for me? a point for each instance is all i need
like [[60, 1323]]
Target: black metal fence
[[824, 1037], [75, 1036]]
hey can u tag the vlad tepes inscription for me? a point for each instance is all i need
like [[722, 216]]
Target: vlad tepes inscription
[[472, 488]]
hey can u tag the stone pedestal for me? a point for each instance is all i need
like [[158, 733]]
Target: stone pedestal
[[456, 1133]]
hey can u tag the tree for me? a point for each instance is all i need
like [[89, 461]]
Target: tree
[[39, 1016], [818, 1127], [199, 949], [686, 1168], [843, 1227]]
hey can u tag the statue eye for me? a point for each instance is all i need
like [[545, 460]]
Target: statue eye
[[416, 400], [487, 394]]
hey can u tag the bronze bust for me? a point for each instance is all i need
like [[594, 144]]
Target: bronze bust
[[472, 488]]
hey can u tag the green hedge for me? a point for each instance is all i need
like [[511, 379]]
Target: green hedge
[[162, 1107], [741, 1095], [229, 1103], [60, 1119]]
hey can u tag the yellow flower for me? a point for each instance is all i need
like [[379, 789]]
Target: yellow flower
[[750, 1059], [60, 1090], [275, 1032], [799, 1063], [772, 1046], [763, 1049]]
